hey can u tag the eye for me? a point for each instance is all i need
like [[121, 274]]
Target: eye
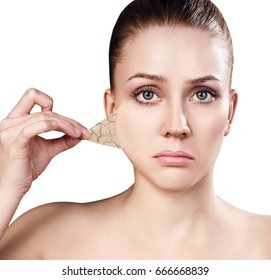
[[146, 95], [204, 95]]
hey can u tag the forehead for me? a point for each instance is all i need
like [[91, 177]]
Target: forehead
[[175, 52]]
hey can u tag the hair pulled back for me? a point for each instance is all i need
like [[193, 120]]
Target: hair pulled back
[[140, 15]]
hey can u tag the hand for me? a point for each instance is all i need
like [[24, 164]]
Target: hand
[[23, 153]]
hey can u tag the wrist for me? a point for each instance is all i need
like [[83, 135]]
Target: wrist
[[9, 195]]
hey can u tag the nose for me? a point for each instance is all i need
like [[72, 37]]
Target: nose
[[176, 124]]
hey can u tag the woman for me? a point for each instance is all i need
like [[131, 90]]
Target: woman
[[170, 73]]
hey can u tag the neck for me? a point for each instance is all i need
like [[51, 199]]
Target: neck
[[165, 213]]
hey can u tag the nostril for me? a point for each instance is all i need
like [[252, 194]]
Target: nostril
[[178, 132], [177, 127], [176, 121]]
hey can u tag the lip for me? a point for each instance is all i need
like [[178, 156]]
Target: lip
[[174, 158]]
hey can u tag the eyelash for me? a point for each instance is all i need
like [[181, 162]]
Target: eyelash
[[208, 90], [197, 90], [143, 89]]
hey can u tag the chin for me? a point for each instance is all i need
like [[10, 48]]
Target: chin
[[171, 182], [174, 186]]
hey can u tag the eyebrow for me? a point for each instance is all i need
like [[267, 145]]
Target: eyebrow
[[162, 79], [203, 79], [148, 76]]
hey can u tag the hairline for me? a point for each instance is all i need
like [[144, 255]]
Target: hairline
[[134, 32]]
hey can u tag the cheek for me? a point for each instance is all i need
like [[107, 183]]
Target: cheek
[[136, 129], [209, 130], [130, 126], [123, 127]]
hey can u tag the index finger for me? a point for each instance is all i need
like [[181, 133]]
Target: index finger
[[31, 98]]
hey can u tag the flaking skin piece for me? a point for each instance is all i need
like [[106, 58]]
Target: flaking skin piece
[[104, 132]]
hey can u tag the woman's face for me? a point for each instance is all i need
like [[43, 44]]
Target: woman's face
[[174, 105]]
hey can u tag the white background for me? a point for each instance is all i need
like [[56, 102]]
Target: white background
[[61, 48]]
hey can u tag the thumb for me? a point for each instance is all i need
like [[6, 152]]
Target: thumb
[[62, 144]]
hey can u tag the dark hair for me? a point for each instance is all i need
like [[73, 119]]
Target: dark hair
[[139, 15]]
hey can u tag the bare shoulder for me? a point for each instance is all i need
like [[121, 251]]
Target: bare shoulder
[[261, 226], [24, 237], [257, 233], [261, 235], [249, 233], [53, 227]]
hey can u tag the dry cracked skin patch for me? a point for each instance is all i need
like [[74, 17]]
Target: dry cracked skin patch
[[104, 132]]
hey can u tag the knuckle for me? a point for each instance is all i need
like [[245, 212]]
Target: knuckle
[[39, 97], [3, 124], [50, 99], [25, 133], [46, 116], [32, 92], [49, 114], [4, 137]]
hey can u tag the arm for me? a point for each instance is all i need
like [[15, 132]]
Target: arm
[[8, 206], [24, 154]]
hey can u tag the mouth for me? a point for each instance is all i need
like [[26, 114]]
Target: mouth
[[174, 158]]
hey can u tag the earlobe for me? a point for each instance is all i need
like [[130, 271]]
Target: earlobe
[[109, 104], [227, 130]]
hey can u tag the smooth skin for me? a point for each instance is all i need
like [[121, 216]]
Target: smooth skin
[[170, 212]]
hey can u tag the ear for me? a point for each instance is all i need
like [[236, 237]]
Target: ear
[[232, 108], [109, 104]]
